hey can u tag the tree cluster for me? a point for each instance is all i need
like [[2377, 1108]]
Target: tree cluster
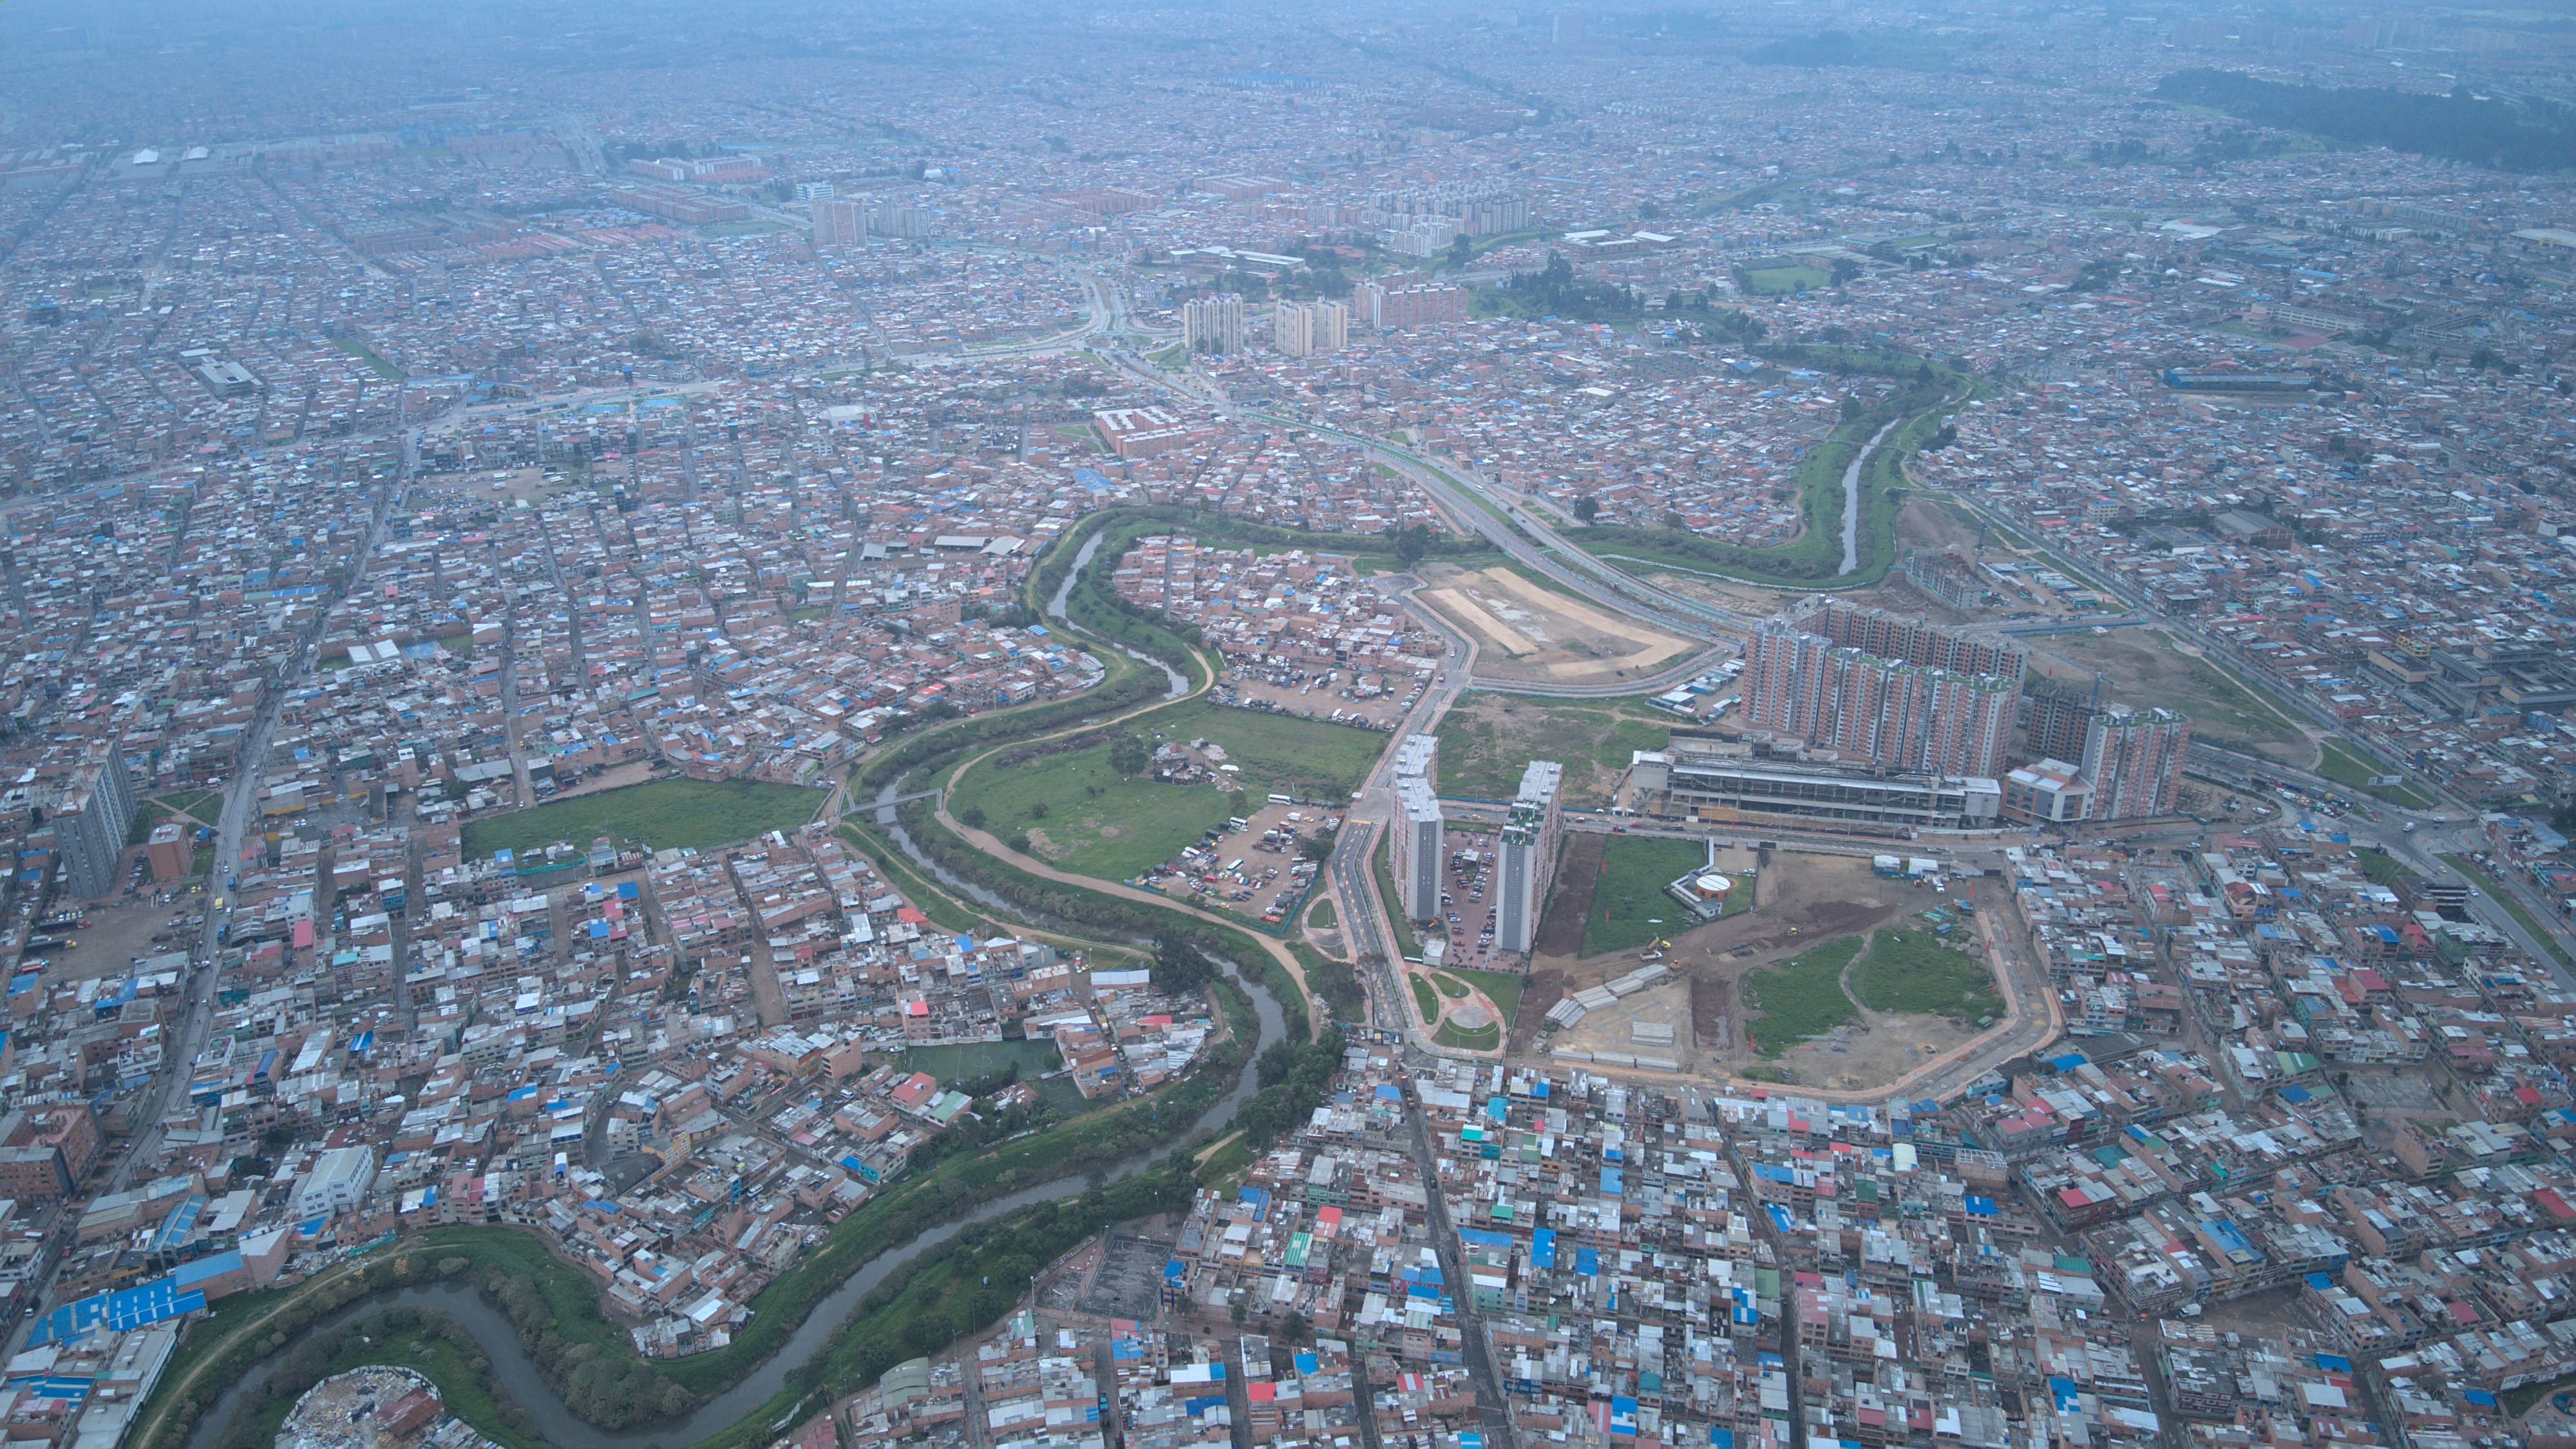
[[1556, 292], [2457, 127]]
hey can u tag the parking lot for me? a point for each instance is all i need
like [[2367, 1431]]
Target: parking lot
[[1372, 698], [1467, 899], [1254, 871]]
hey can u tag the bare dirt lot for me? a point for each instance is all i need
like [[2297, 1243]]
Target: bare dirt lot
[[1534, 634], [1871, 1052], [1655, 1022], [2146, 667], [497, 484], [1315, 701], [1801, 900]]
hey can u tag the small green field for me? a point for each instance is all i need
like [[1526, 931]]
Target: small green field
[[972, 1061], [1503, 988], [1630, 906], [1800, 997], [664, 814], [2384, 869], [1775, 281], [2347, 765], [369, 358], [1323, 917], [1488, 739], [1450, 986], [1426, 1001], [460, 645], [1079, 814], [206, 807], [2496, 892], [1313, 759], [1913, 971], [1482, 1039]]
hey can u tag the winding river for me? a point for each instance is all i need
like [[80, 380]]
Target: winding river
[[518, 1375], [1176, 683], [1851, 499]]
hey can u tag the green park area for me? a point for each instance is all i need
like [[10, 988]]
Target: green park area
[[1488, 739], [1630, 906], [1480, 1039], [664, 814], [1913, 971], [1312, 759], [984, 1064], [1774, 281], [1503, 988], [2348, 765], [1426, 999], [1080, 812], [1323, 917], [1800, 997]]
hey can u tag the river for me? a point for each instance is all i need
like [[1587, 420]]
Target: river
[[518, 1375], [1176, 683], [1851, 500]]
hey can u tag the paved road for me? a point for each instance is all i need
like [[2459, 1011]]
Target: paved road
[[1491, 1406], [241, 806]]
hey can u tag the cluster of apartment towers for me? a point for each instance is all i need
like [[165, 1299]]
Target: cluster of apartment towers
[[1897, 695], [1524, 850]]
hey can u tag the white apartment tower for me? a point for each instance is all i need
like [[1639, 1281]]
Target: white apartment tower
[[90, 818], [839, 221], [1528, 865], [1415, 853], [1213, 325], [1305, 329]]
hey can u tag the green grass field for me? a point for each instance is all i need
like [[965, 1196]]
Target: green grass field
[[1483, 1039], [1800, 997], [1094, 823], [1502, 987], [969, 1061], [1323, 917], [2383, 868], [206, 807], [1425, 1000], [1912, 971], [665, 814], [1311, 758], [1629, 903], [1487, 739], [1450, 986], [2496, 892], [1773, 281], [368, 358], [2346, 764]]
